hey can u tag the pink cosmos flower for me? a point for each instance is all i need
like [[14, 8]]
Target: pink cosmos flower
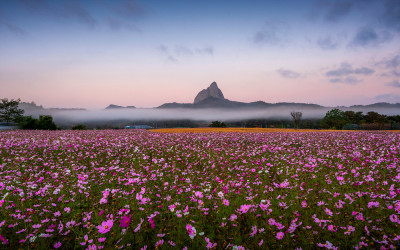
[[191, 230], [225, 202], [57, 245], [359, 216], [394, 218], [125, 221], [86, 238], [159, 243], [304, 204], [4, 240], [102, 239], [332, 228], [105, 226], [328, 212], [280, 235], [244, 208]]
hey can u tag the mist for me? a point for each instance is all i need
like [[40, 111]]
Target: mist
[[176, 114]]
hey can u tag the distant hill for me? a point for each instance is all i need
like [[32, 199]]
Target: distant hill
[[112, 106]]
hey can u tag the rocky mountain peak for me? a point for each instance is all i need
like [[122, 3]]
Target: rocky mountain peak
[[211, 91]]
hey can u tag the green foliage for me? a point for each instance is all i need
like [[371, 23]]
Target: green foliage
[[79, 127], [9, 111], [45, 122], [29, 123], [218, 124], [335, 118], [374, 117]]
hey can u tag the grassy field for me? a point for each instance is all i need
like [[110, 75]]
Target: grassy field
[[142, 189]]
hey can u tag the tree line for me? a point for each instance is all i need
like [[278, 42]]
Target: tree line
[[11, 114]]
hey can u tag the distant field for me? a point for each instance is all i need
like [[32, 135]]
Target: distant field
[[243, 130]]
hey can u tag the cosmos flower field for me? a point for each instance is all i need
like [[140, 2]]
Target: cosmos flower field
[[140, 189]]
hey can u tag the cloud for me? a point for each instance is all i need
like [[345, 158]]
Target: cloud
[[368, 37], [395, 84], [350, 80], [391, 62], [129, 9], [391, 16], [288, 73], [327, 43], [346, 69], [15, 29], [206, 50], [388, 98], [338, 10], [116, 24], [273, 33], [72, 9], [180, 51]]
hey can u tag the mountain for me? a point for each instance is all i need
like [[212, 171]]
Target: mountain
[[212, 97], [112, 106], [212, 91]]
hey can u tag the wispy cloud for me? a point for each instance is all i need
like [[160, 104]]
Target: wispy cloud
[[180, 51], [392, 64], [272, 33], [369, 37], [391, 16], [327, 43], [389, 97], [62, 10], [350, 80], [346, 69], [288, 73], [394, 83], [337, 10], [18, 31]]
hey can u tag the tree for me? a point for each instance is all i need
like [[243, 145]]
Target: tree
[[9, 111], [218, 124], [296, 117], [46, 123], [335, 119]]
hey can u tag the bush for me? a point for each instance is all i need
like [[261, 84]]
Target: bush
[[217, 124], [79, 127], [45, 122]]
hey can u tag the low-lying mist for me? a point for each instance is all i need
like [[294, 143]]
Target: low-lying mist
[[176, 114], [277, 113]]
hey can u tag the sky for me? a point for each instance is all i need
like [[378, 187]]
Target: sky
[[92, 53]]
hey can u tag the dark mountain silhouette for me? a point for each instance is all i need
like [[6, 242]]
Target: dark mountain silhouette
[[112, 106]]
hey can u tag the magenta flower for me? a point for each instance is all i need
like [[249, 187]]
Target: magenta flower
[[159, 243], [280, 235], [125, 221], [328, 212], [4, 240], [244, 208], [105, 226], [86, 238], [102, 239], [57, 245], [191, 230], [225, 202]]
